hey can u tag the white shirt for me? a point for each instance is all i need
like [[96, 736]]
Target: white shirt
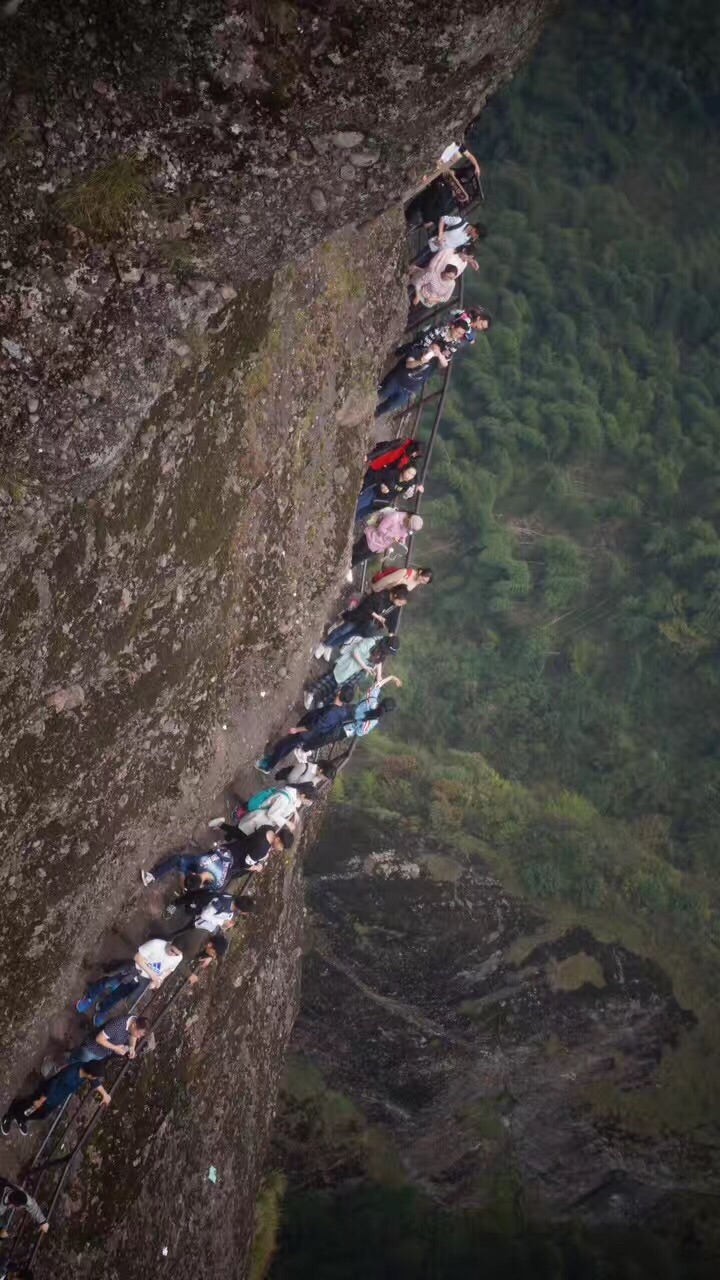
[[456, 235], [451, 153], [156, 957], [303, 771], [213, 917]]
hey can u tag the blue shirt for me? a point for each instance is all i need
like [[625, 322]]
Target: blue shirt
[[331, 719], [359, 726], [61, 1087], [217, 863]]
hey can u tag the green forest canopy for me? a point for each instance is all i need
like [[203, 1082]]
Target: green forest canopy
[[577, 485], [561, 707]]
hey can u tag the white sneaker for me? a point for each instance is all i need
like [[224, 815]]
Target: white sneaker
[[216, 822], [308, 701], [320, 651], [147, 877], [327, 652], [349, 575]]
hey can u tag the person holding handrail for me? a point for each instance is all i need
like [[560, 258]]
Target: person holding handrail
[[53, 1093], [13, 1197], [383, 530], [152, 963], [409, 376], [121, 1036]]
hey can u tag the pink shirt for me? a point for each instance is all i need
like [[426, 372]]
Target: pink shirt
[[431, 287], [391, 528]]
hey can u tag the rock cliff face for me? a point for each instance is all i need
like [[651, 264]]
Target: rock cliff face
[[478, 1041], [200, 246]]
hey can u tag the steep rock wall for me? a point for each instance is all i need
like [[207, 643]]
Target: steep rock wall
[[142, 625], [187, 368], [155, 635]]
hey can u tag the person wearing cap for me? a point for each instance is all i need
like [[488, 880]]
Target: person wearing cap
[[53, 1093], [382, 531]]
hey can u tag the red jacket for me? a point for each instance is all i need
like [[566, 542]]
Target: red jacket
[[393, 456]]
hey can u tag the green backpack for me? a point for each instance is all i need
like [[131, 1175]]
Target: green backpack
[[260, 799]]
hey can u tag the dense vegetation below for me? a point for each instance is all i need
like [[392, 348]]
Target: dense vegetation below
[[559, 720], [569, 645]]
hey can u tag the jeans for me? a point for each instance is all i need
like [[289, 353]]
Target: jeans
[[113, 988], [361, 551], [339, 634], [366, 502], [88, 1052], [283, 748], [395, 393], [182, 862]]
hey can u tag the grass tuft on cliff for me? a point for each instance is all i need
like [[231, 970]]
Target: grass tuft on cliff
[[267, 1225], [102, 204]]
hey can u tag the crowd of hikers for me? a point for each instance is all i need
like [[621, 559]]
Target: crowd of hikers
[[344, 702]]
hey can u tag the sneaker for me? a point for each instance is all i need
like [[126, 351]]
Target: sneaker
[[308, 701], [99, 1020], [319, 652], [349, 575], [261, 765], [84, 1005], [5, 1124], [327, 652], [22, 1126], [147, 877], [215, 823]]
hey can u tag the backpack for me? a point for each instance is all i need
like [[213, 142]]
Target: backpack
[[259, 800], [383, 573]]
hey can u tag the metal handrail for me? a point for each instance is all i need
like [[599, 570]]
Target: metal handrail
[[67, 1163]]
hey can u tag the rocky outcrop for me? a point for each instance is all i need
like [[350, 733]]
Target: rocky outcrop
[[156, 157], [485, 1045]]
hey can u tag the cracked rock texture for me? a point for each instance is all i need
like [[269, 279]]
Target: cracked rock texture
[[474, 1040], [200, 275]]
